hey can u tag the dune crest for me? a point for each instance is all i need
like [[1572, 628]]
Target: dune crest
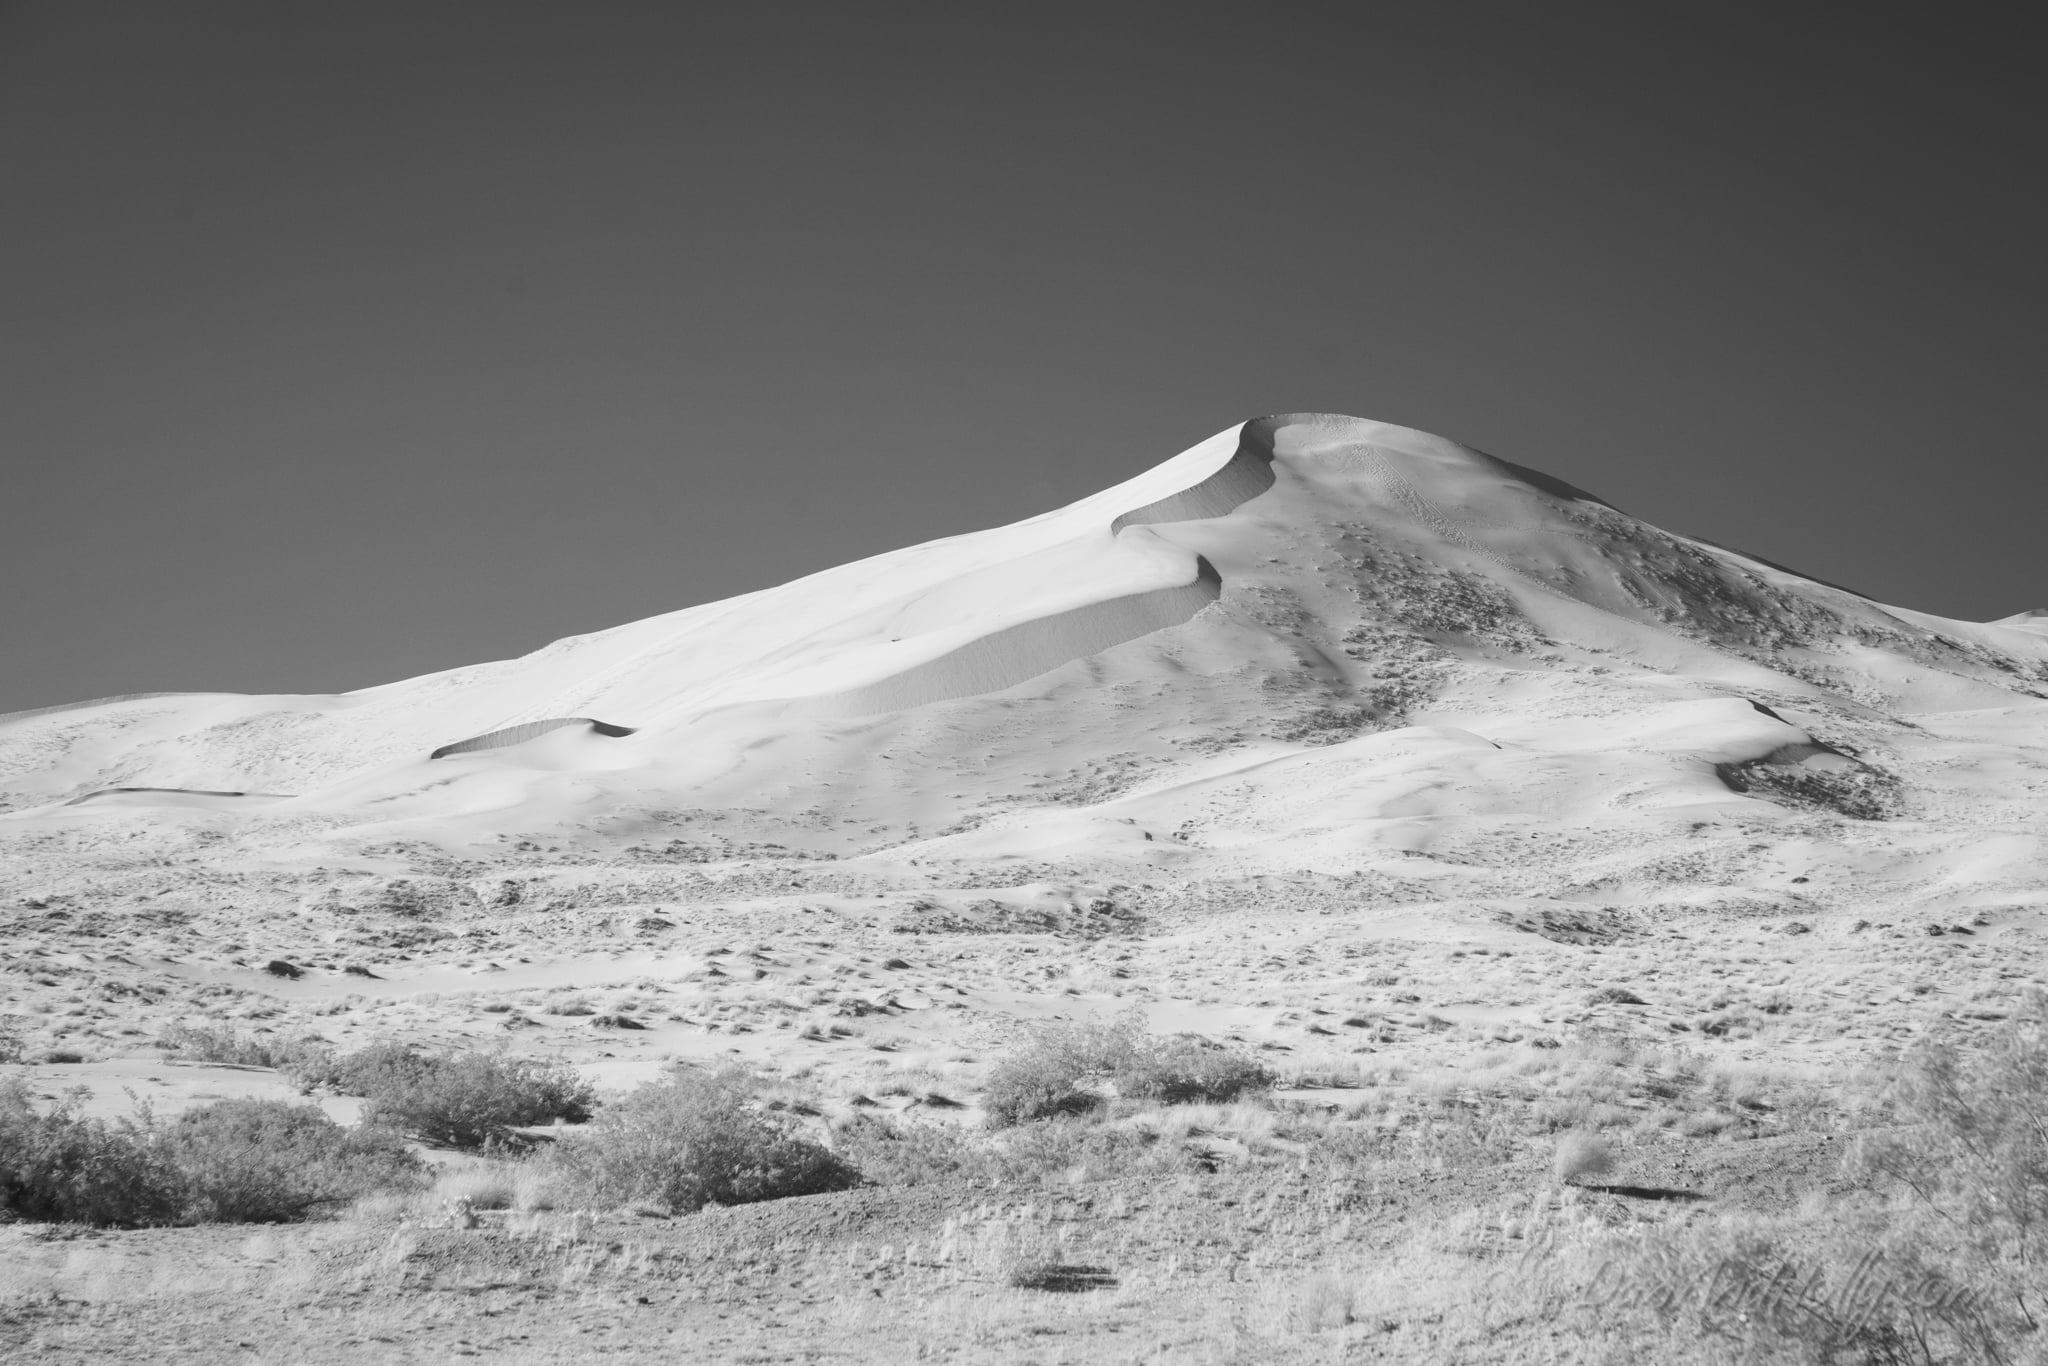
[[1247, 474]]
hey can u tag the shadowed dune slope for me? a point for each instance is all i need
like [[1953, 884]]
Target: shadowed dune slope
[[1008, 657], [529, 730], [174, 796], [1247, 474]]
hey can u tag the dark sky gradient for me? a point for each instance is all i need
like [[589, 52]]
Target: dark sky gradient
[[348, 341]]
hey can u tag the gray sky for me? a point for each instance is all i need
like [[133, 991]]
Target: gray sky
[[349, 341]]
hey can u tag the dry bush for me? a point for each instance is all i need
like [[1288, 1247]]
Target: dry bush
[[1058, 1276], [1751, 1290], [1061, 1069], [234, 1161], [1077, 1149], [697, 1139], [1580, 1154], [1973, 1155], [1053, 1072], [893, 1153], [1463, 1136], [63, 1167], [265, 1161], [1456, 1137], [1950, 1272], [458, 1100], [219, 1043], [1182, 1070], [1324, 1301], [526, 1185]]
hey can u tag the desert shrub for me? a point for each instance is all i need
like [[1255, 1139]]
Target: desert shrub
[[358, 1073], [695, 1139], [1076, 1148], [516, 1184], [1973, 1152], [1582, 1153], [458, 1100], [1059, 1069], [1950, 1273], [218, 1043], [61, 1166], [13, 1047], [1457, 1137], [1323, 1302], [1051, 1074], [1039, 1272], [890, 1153], [235, 1161], [471, 1100], [1185, 1071], [266, 1161], [1749, 1290]]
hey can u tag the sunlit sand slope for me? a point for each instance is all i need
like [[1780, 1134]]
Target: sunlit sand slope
[[1286, 597]]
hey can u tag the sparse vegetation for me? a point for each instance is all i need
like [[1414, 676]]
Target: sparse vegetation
[[218, 1043], [890, 1152], [61, 1166], [456, 1100], [260, 1161], [1580, 1155], [1949, 1270], [233, 1161], [695, 1139], [1064, 1068], [1772, 1290]]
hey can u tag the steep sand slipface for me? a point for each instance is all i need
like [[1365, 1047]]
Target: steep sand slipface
[[1247, 474], [1029, 649], [530, 730], [1016, 654]]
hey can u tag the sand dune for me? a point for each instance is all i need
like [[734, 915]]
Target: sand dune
[[1247, 474], [1341, 743], [27, 713], [1005, 658], [520, 734], [1292, 583], [173, 796]]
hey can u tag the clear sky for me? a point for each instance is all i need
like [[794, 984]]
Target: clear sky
[[348, 341]]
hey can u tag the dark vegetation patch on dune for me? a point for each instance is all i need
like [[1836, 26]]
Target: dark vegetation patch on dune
[[1793, 777]]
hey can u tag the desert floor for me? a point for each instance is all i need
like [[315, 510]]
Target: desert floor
[[1395, 1198]]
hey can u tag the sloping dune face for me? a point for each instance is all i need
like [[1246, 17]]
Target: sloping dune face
[[953, 618], [1247, 474], [1030, 649], [531, 730]]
